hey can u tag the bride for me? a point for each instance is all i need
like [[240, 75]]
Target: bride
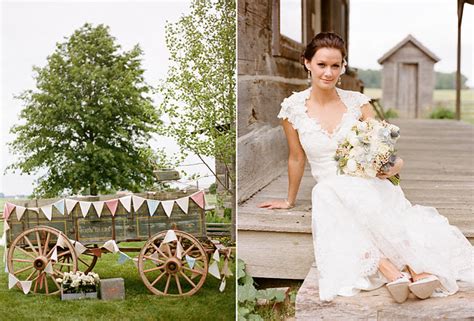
[[365, 232]]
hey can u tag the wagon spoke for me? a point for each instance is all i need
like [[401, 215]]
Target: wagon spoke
[[168, 249], [153, 259], [24, 251], [29, 276], [157, 279], [167, 284], [178, 284], [158, 250], [187, 279], [188, 249], [192, 270], [46, 284], [55, 282], [36, 282], [23, 270], [59, 272], [46, 243], [65, 264], [85, 263], [41, 278], [51, 251], [30, 245], [64, 253], [161, 267], [23, 260], [38, 239]]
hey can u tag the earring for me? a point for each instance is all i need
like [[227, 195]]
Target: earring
[[309, 75], [339, 81]]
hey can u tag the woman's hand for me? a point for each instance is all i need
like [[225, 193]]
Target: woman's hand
[[284, 204], [395, 169]]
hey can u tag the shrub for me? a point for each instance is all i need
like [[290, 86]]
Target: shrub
[[390, 113], [442, 113]]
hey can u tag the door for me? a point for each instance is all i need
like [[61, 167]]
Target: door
[[408, 90]]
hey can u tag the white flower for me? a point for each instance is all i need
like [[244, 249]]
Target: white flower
[[351, 165]]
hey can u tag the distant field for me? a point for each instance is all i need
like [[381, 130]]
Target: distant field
[[443, 98]]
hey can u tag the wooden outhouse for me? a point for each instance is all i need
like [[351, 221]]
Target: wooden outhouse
[[408, 78]]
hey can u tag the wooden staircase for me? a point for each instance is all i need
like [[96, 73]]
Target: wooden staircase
[[438, 172]]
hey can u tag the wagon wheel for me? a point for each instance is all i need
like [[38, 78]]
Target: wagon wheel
[[164, 273], [30, 253], [85, 261]]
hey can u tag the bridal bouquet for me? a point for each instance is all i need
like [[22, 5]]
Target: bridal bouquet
[[369, 148]]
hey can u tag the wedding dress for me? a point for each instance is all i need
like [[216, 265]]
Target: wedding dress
[[357, 221]]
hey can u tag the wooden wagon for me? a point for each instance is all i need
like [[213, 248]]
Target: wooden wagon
[[45, 239]]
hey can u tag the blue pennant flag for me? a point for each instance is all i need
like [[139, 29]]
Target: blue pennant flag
[[123, 258], [190, 261]]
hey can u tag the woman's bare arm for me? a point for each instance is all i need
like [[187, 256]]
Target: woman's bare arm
[[296, 163]]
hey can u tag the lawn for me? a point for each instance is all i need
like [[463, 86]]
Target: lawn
[[443, 98], [207, 304]]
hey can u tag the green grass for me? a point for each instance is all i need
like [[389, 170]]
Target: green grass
[[139, 304], [443, 98]]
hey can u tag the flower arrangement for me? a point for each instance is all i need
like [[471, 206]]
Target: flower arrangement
[[368, 148], [78, 282]]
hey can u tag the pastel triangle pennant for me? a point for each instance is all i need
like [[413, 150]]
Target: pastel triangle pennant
[[183, 203], [152, 206], [54, 256], [111, 246], [137, 202], [7, 210], [225, 269], [6, 227], [170, 237], [61, 241], [12, 281], [112, 205], [198, 198], [99, 206], [79, 247], [48, 211], [34, 209], [70, 204], [168, 207], [214, 270], [6, 267], [126, 202], [3, 241], [60, 206], [20, 210], [85, 206], [190, 261], [222, 286], [26, 286], [123, 258], [179, 250], [216, 256], [49, 268]]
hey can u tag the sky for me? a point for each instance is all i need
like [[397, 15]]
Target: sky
[[29, 32]]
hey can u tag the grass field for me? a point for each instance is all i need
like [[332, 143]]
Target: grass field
[[443, 98], [140, 304]]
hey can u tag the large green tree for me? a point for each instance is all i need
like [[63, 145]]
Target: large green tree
[[87, 124], [199, 92]]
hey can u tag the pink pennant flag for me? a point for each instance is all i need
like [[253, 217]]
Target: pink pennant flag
[[126, 202], [7, 210], [198, 198], [112, 205]]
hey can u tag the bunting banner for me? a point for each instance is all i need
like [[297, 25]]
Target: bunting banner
[[12, 281], [54, 256], [49, 268], [225, 269], [190, 261], [26, 286], [170, 237], [60, 206], [179, 250], [98, 207], [168, 207], [85, 206], [47, 211], [111, 246], [152, 206], [126, 202], [198, 198], [183, 203], [7, 210], [214, 270], [216, 256], [6, 227], [3, 240], [112, 205], [78, 247], [70, 204], [34, 209], [222, 286], [137, 202], [61, 242], [123, 258], [20, 210]]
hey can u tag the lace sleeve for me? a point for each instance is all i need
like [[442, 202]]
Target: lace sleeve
[[359, 101]]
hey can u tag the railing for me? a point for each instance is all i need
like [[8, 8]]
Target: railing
[[218, 229]]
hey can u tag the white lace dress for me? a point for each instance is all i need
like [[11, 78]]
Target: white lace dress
[[357, 221]]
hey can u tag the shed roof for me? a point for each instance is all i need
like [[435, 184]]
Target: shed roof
[[402, 43]]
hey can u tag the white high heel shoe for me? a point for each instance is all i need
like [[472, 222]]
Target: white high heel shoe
[[399, 289], [424, 287]]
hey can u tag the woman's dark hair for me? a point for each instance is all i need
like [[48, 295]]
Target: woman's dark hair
[[323, 40]]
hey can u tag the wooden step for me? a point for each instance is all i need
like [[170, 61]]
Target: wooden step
[[378, 305]]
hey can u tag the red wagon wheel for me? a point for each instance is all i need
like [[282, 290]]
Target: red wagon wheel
[[30, 254], [162, 270]]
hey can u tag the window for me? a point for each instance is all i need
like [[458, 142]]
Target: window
[[290, 19]]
